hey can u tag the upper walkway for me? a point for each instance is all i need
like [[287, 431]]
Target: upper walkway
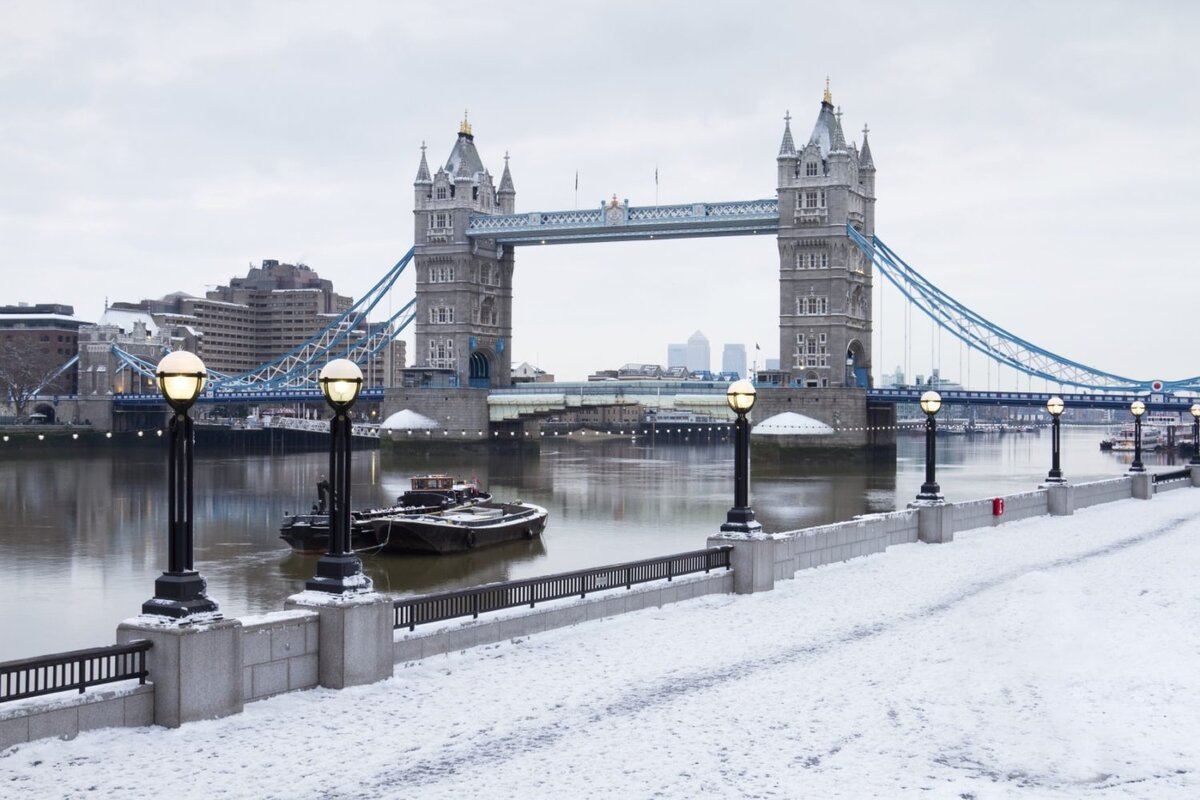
[[612, 222]]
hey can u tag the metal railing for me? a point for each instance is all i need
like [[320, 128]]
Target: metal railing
[[410, 612], [78, 669], [1174, 476]]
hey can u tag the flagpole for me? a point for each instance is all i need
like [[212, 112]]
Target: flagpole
[[656, 184], [576, 190]]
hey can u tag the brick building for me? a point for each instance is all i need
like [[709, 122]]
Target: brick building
[[35, 341]]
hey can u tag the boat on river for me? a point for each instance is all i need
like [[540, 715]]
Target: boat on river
[[429, 494], [457, 530], [1123, 440]]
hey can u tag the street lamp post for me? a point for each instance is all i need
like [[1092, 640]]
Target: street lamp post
[[1137, 408], [931, 403], [740, 519], [1055, 406], [1195, 409], [340, 570], [179, 592]]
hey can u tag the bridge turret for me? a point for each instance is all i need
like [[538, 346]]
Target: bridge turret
[[423, 185], [787, 154], [508, 193], [866, 178]]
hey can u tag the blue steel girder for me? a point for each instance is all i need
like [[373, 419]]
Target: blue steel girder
[[994, 341], [1116, 400], [612, 223], [348, 336]]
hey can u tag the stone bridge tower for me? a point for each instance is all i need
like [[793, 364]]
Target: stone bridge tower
[[824, 279], [464, 287]]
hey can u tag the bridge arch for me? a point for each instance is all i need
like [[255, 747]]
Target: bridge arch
[[857, 367], [480, 370]]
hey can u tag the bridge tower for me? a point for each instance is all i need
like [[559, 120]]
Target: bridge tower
[[824, 279], [464, 288]]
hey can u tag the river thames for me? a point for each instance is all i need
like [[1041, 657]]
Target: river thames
[[82, 537]]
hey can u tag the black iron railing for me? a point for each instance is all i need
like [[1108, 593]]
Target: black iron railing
[[413, 611], [1184, 474], [78, 669]]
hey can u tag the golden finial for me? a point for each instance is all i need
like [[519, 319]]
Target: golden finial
[[465, 127], [828, 97]]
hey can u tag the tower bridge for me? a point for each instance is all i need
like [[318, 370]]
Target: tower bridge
[[467, 229]]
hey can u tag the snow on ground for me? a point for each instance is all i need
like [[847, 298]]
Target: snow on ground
[[1051, 658]]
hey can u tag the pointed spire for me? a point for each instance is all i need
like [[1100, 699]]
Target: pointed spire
[[506, 181], [423, 175], [828, 98], [839, 138], [787, 149], [464, 128], [864, 157]]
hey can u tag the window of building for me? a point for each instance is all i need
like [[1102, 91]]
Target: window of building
[[441, 353], [811, 351], [810, 169], [812, 306], [441, 315], [441, 193], [439, 221], [441, 273]]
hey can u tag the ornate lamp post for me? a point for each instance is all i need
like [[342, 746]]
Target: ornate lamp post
[[1195, 409], [179, 592], [1137, 408], [931, 403], [340, 570], [1055, 406], [740, 519]]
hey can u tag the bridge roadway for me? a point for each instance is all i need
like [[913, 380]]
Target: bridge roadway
[[697, 396]]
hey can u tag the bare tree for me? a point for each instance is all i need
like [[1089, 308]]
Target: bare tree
[[24, 371]]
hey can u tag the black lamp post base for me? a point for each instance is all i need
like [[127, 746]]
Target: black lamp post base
[[339, 574], [179, 595], [931, 492], [1055, 478], [740, 520], [1137, 467], [1195, 462]]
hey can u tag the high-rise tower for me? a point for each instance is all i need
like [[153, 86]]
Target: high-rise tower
[[463, 287], [824, 279]]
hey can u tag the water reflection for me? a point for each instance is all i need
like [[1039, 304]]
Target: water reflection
[[83, 537]]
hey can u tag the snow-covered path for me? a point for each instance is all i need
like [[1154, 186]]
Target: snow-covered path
[[1051, 658]]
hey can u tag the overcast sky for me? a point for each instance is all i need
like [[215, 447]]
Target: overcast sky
[[1038, 161]]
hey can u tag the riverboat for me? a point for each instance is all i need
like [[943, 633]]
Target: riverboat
[[429, 494], [1123, 440], [458, 530]]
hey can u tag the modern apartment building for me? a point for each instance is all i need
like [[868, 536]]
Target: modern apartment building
[[257, 318]]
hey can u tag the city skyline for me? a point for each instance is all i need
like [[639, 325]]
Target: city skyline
[[1022, 159]]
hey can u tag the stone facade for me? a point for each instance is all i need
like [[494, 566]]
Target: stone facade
[[463, 288], [824, 278]]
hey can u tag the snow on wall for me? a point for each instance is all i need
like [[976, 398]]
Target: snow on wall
[[279, 653], [1096, 492], [841, 541], [66, 714]]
